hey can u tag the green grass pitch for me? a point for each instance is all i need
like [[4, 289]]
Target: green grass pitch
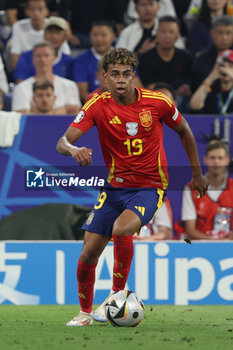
[[163, 328]]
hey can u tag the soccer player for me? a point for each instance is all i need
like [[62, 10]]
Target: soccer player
[[129, 122]]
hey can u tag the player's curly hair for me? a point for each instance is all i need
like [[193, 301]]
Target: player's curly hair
[[120, 56]]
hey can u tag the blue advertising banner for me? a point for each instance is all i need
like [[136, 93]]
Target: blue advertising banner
[[34, 152], [161, 273]]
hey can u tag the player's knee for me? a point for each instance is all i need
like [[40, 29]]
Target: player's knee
[[120, 230], [88, 258]]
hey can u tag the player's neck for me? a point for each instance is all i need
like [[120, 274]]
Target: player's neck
[[165, 53]]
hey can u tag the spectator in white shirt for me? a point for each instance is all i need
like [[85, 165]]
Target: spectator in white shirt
[[4, 88], [140, 36], [44, 98], [30, 31], [66, 91], [166, 8]]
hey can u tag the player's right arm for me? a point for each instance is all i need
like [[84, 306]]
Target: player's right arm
[[66, 146]]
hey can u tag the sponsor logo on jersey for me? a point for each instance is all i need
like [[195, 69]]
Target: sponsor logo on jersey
[[140, 209], [79, 117], [146, 119], [90, 218], [115, 120], [132, 128]]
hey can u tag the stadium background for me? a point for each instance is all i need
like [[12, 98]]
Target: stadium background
[[171, 272]]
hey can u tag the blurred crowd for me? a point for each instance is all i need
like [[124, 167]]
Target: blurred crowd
[[183, 46], [51, 63]]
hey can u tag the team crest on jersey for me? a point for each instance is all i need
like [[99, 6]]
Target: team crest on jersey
[[145, 118], [79, 117], [132, 128], [90, 218]]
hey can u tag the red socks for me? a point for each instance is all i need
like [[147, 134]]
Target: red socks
[[123, 255], [86, 280]]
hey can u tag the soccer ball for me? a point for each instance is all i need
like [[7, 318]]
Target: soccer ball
[[124, 309]]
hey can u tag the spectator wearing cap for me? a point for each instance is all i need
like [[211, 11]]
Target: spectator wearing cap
[[30, 31], [67, 94], [55, 32], [44, 98], [215, 94], [222, 35]]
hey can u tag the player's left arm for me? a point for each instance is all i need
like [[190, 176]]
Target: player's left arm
[[199, 181]]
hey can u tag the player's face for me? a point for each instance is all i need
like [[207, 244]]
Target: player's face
[[55, 36], [120, 79], [36, 11], [102, 38], [222, 37], [147, 9], [43, 58], [217, 160], [44, 99], [167, 34]]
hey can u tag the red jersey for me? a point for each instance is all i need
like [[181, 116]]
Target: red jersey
[[91, 94], [131, 136]]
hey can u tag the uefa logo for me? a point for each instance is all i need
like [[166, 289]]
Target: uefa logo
[[34, 178]]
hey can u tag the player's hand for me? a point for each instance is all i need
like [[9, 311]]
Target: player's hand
[[82, 155], [200, 185]]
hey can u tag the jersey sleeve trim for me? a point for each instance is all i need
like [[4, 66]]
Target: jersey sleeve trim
[[175, 115], [95, 98], [157, 96]]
